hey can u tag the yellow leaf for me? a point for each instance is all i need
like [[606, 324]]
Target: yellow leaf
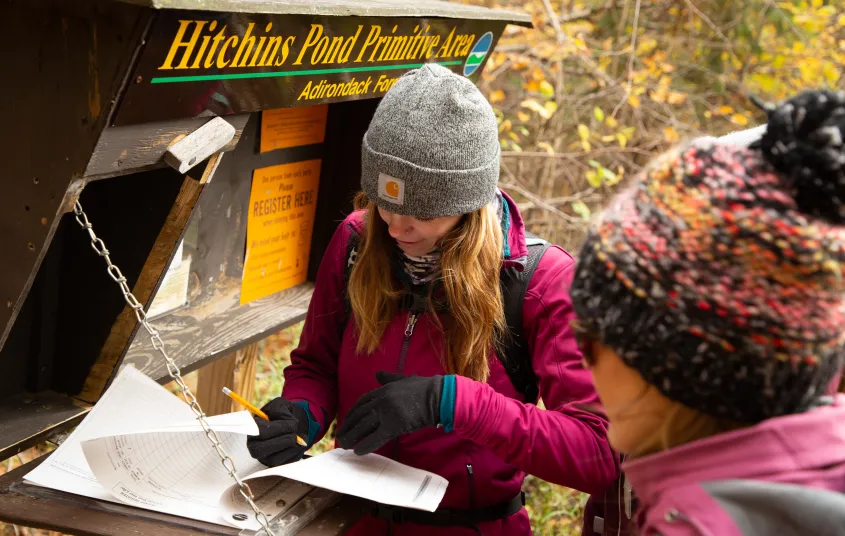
[[841, 21], [671, 135], [534, 106], [622, 139], [513, 136], [608, 139], [551, 107], [725, 110], [739, 119], [583, 132], [611, 121], [497, 96], [546, 89], [545, 146], [523, 117], [599, 114], [532, 86], [634, 101], [505, 126], [676, 97], [585, 145]]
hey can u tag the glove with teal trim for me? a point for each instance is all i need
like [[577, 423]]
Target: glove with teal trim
[[276, 442], [403, 404]]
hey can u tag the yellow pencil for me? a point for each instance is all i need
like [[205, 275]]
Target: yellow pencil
[[255, 411]]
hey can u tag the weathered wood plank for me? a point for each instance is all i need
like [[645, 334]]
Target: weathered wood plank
[[151, 275], [26, 419], [199, 144], [34, 506], [347, 8], [235, 371], [192, 339], [128, 149]]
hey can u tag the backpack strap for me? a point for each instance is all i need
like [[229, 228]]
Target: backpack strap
[[515, 355], [352, 246]]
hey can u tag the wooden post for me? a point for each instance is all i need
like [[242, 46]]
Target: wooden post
[[235, 371]]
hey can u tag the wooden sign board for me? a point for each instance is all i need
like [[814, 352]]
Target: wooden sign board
[[230, 63]]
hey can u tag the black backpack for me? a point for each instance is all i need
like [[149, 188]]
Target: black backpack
[[515, 358]]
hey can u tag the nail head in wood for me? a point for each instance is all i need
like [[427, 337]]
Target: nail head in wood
[[199, 144]]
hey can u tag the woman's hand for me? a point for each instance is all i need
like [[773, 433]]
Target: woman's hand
[[276, 442], [401, 405]]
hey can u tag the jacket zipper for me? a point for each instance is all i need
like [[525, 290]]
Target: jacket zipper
[[411, 323], [471, 477], [413, 316]]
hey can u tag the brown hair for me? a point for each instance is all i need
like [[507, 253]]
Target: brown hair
[[471, 259]]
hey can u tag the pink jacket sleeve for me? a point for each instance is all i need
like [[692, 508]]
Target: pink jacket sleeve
[[563, 444], [312, 374]]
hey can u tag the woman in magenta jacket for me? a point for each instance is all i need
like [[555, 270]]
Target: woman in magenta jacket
[[711, 305], [412, 373]]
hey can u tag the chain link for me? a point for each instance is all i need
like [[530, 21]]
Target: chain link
[[172, 368]]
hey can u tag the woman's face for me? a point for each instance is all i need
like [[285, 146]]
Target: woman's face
[[635, 409], [417, 237]]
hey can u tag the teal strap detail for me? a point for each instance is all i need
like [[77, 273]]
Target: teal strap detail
[[506, 225], [447, 402], [313, 426]]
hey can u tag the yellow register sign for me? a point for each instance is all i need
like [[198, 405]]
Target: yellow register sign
[[279, 226]]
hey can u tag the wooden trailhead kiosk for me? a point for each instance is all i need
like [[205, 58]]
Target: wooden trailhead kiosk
[[213, 146]]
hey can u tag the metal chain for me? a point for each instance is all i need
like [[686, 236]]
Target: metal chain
[[172, 369]]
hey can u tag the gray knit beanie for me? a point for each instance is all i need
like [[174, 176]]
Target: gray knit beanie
[[432, 148]]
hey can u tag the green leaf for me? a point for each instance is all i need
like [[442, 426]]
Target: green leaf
[[599, 114], [578, 207], [594, 164]]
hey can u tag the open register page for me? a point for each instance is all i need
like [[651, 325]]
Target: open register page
[[141, 446]]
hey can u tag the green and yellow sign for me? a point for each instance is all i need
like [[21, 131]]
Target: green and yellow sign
[[243, 63]]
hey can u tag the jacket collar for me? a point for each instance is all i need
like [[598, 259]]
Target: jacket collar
[[518, 251], [775, 449]]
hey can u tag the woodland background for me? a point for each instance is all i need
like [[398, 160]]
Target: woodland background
[[586, 97]]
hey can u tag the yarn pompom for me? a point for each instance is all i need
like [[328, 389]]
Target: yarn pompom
[[804, 143]]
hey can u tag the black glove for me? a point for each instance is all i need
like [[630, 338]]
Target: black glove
[[403, 404], [276, 442]]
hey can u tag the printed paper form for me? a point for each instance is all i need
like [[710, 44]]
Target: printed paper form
[[171, 471], [372, 477], [132, 402]]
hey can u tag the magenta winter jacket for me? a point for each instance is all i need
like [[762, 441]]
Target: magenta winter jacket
[[497, 437], [782, 477]]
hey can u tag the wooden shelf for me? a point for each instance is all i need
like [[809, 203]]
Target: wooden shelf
[[195, 336], [36, 506], [27, 419]]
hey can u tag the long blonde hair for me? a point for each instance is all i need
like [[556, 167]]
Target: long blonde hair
[[471, 259]]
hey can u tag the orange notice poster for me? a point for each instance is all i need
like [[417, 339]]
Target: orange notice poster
[[293, 127], [280, 222]]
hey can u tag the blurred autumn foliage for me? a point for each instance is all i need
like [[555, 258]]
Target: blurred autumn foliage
[[596, 88]]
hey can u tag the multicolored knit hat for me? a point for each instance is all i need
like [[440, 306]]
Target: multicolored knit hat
[[718, 275]]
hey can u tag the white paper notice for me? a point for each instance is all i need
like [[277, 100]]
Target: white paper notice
[[132, 402], [171, 471], [372, 477]]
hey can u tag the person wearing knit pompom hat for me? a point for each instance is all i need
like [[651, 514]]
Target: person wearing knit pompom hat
[[710, 300]]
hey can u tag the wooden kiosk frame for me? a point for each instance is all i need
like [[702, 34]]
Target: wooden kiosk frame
[[97, 96]]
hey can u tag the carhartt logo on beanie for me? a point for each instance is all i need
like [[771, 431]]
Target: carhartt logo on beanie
[[719, 275], [432, 147]]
